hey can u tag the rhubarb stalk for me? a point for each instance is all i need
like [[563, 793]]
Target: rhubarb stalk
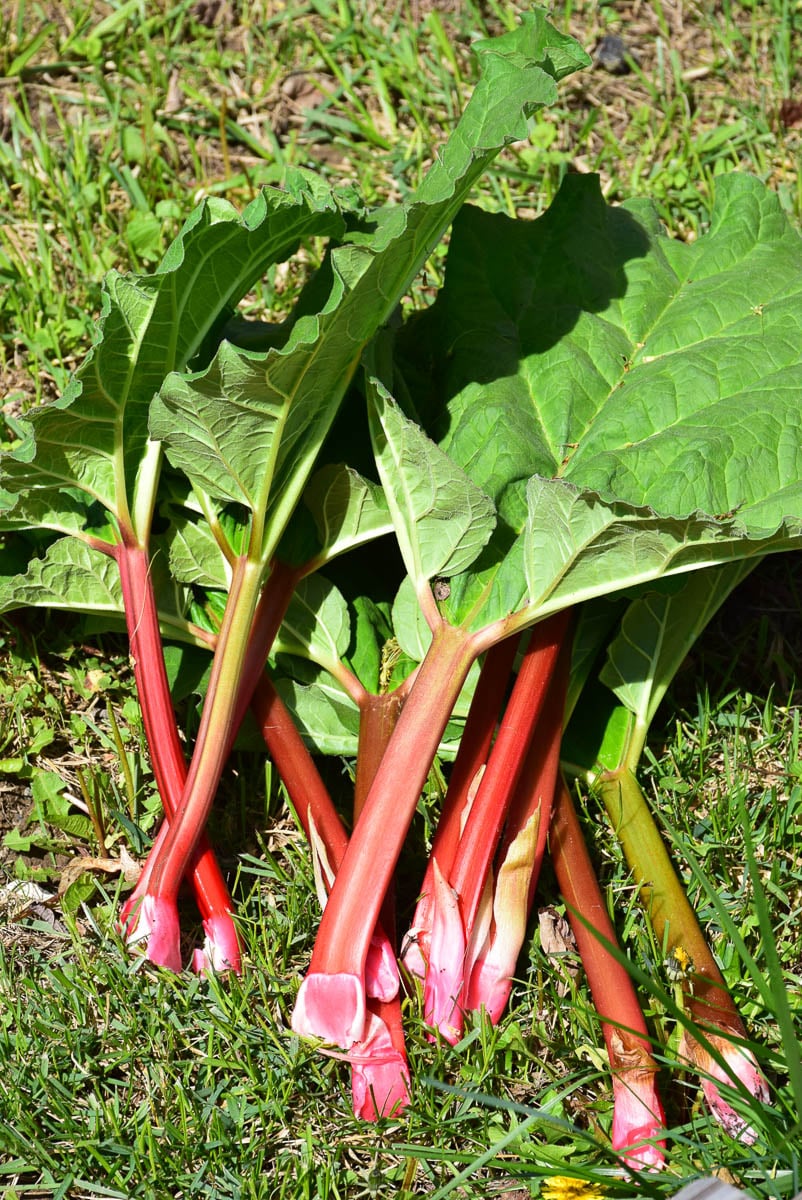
[[446, 979], [318, 818], [492, 962], [379, 1072], [474, 747], [221, 949], [705, 996], [638, 1119], [331, 1002], [380, 1081], [150, 912]]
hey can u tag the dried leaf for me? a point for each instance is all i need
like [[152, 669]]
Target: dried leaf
[[559, 945]]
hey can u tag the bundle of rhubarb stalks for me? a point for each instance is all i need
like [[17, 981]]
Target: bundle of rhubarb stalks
[[487, 531]]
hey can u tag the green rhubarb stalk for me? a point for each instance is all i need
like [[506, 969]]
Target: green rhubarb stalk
[[656, 633], [675, 924], [705, 997]]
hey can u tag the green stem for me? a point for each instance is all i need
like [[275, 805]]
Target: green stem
[[145, 488], [663, 897]]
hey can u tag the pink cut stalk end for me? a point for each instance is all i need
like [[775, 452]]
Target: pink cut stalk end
[[488, 992], [381, 970], [221, 949], [445, 974], [380, 1083], [741, 1067], [155, 921], [638, 1120], [332, 1008]]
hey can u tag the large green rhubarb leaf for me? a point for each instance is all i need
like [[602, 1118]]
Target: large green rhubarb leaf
[[442, 519], [96, 437], [576, 547], [650, 370], [71, 576], [250, 428], [592, 377]]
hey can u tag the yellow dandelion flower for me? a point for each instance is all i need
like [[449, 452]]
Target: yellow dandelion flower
[[679, 964], [561, 1187]]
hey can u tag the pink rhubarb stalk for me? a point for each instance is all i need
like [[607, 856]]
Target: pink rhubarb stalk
[[249, 626], [469, 763], [380, 1082], [520, 856], [739, 1067], [221, 950], [446, 976], [379, 1071], [331, 1001], [638, 1118]]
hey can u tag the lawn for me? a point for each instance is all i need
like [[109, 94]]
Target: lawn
[[119, 1080]]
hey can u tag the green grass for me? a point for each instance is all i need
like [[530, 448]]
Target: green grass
[[118, 1081], [113, 128]]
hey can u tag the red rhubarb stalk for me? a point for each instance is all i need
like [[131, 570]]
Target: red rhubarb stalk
[[215, 732], [488, 811], [638, 1118], [444, 989], [331, 1001], [248, 628], [318, 817], [474, 747], [379, 1072], [380, 1082], [492, 963], [221, 950]]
